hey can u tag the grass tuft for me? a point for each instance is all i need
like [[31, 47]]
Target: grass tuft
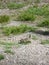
[[1, 57], [44, 23], [34, 37], [45, 42], [17, 29], [8, 51], [26, 16], [13, 5], [4, 18]]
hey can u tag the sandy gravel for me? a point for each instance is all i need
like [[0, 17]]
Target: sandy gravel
[[32, 54]]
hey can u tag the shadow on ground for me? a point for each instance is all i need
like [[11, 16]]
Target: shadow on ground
[[46, 33]]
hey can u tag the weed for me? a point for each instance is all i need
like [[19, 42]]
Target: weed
[[37, 1], [4, 18], [34, 37], [26, 16], [7, 45], [44, 23], [13, 5], [45, 42], [17, 29], [9, 51], [1, 57], [42, 11]]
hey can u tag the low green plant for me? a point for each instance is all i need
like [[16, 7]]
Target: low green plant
[[44, 23], [8, 51], [1, 57], [31, 13], [4, 18], [13, 5], [7, 45], [42, 11], [26, 16], [15, 29], [37, 1], [32, 29], [18, 29], [34, 37], [45, 42]]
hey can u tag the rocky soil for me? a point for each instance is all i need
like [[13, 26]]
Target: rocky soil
[[33, 53]]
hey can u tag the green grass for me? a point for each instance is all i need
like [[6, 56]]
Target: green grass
[[8, 51], [37, 1], [34, 37], [42, 11], [1, 57], [45, 42], [13, 5], [4, 18], [32, 12], [26, 16], [17, 29], [7, 45], [44, 23]]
